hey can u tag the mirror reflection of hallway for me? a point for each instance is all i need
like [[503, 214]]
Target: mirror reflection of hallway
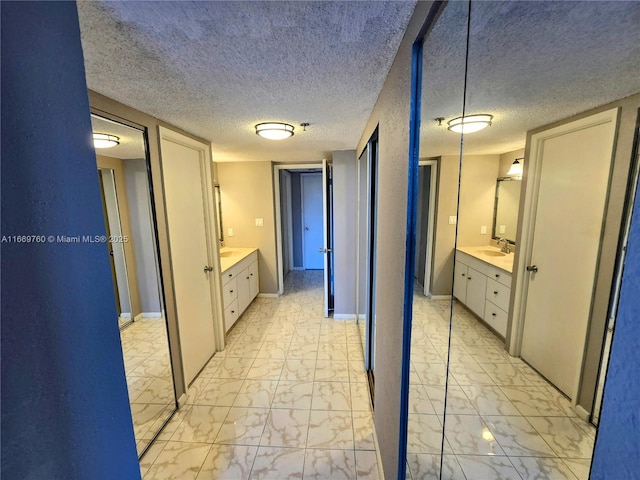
[[131, 243]]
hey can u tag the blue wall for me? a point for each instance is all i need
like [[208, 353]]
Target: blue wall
[[617, 451], [65, 411]]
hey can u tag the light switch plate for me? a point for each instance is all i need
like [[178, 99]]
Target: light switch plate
[[452, 219], [229, 232], [503, 229], [483, 230], [259, 222]]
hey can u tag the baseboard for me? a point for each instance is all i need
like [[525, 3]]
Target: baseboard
[[440, 297], [362, 316], [125, 315], [151, 315], [268, 295], [378, 456], [137, 317], [582, 413], [297, 268], [182, 400], [344, 316]]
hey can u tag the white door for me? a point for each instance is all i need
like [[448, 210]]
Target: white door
[[185, 179], [312, 226], [573, 162]]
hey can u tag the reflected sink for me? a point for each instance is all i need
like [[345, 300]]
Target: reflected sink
[[491, 253]]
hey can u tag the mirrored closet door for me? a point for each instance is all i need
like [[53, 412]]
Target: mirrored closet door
[[122, 162]]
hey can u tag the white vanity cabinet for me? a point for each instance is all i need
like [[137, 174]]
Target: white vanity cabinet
[[485, 290], [239, 287]]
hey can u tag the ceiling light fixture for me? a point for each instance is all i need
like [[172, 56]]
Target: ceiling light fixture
[[274, 130], [104, 140], [516, 168], [470, 123]]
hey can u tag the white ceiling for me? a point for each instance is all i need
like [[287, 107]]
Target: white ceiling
[[530, 64], [217, 68]]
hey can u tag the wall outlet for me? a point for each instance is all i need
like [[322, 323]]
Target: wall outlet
[[503, 229], [229, 232], [452, 219], [483, 230], [259, 222]]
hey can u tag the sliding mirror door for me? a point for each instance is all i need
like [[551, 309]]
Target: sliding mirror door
[[131, 244], [557, 87], [442, 85]]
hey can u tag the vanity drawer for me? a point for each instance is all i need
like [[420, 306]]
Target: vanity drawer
[[496, 318], [498, 294], [498, 275], [232, 273], [229, 292], [231, 314]]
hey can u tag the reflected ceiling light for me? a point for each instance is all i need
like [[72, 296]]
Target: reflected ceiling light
[[274, 130], [487, 436], [516, 168], [104, 140], [470, 123]]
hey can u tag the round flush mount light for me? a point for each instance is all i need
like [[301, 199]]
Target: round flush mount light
[[470, 123], [274, 130], [104, 140]]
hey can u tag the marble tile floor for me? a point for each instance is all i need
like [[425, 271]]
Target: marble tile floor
[[503, 420], [146, 360], [287, 398]]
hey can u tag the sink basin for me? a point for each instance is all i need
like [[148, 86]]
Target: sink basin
[[228, 254], [491, 253]]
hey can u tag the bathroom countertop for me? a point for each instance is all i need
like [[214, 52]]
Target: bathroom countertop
[[229, 256], [489, 254]]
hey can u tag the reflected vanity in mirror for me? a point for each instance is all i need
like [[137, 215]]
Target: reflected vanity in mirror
[[503, 378], [131, 245], [505, 218]]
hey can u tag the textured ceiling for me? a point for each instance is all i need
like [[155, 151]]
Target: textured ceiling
[[530, 64], [215, 68], [131, 140]]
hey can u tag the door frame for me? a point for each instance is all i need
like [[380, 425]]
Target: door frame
[[531, 185], [287, 237], [276, 192], [210, 218], [428, 266]]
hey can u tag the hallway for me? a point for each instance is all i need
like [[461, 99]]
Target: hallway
[[288, 398]]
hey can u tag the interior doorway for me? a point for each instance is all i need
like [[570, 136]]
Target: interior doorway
[[427, 178], [304, 217]]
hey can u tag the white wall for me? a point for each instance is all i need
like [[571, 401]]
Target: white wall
[[144, 246], [344, 233]]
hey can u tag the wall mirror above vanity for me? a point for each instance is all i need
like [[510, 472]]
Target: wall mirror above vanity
[[505, 216]]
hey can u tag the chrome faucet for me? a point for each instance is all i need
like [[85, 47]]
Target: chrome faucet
[[505, 248]]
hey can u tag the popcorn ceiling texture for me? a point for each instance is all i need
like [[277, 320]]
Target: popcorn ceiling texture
[[530, 64], [215, 69]]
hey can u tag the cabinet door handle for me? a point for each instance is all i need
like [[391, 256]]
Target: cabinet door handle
[[251, 274], [495, 292], [231, 274], [247, 278], [493, 314], [230, 291], [233, 311], [463, 274], [497, 275], [468, 278]]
